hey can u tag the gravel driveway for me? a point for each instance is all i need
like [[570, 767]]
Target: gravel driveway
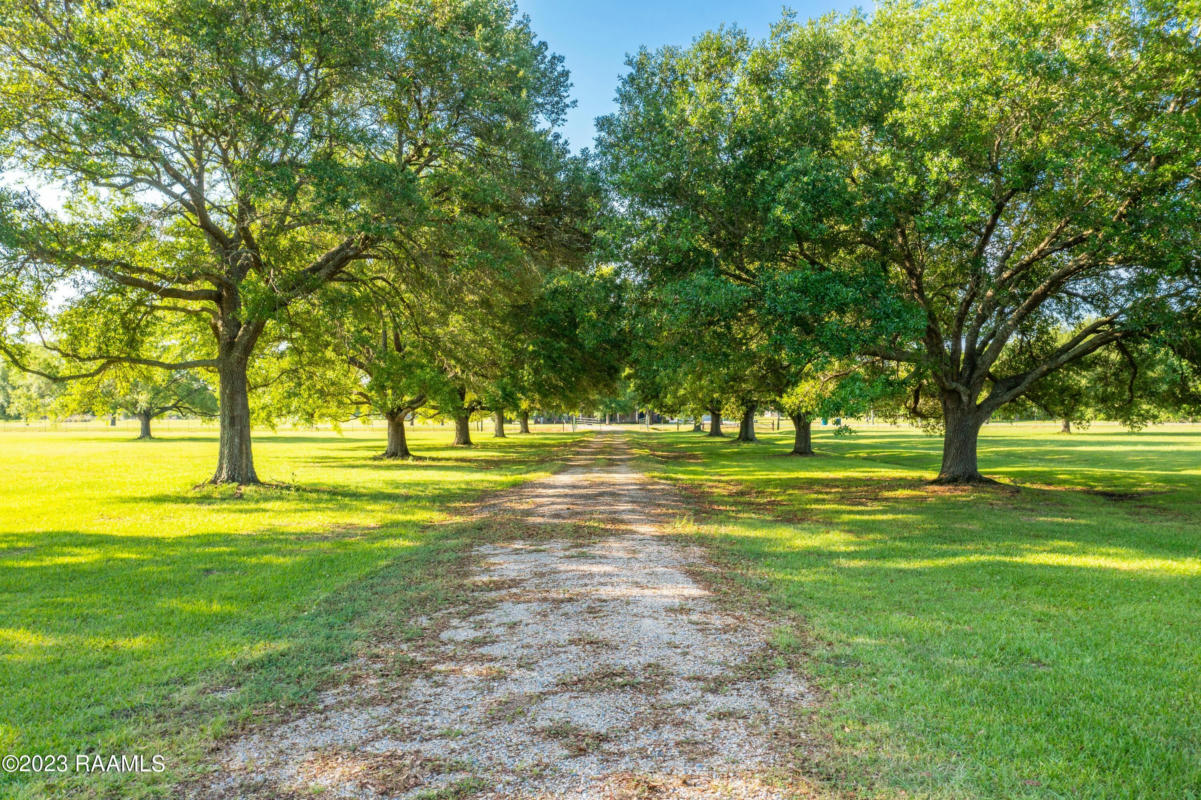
[[590, 664]]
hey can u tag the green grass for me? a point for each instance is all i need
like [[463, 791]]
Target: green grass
[[1043, 642], [130, 598]]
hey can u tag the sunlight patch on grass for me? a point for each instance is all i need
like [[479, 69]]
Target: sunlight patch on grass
[[127, 589], [1033, 642], [20, 637], [1046, 558]]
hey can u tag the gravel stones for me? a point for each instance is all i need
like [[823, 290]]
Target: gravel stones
[[582, 669]]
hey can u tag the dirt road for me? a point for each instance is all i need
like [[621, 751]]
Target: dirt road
[[590, 664]]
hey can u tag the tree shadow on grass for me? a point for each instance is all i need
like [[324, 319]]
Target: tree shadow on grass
[[127, 621], [974, 631], [308, 498], [899, 510], [1094, 467], [870, 499], [399, 479], [449, 494], [1011, 456], [417, 460], [1067, 640], [471, 459]]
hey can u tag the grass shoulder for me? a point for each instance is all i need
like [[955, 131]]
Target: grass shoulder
[[1034, 640], [145, 616]]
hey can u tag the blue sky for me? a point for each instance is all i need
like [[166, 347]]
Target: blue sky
[[594, 37]]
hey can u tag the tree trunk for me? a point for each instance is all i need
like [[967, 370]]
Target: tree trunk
[[696, 426], [234, 461], [463, 429], [803, 444], [398, 444], [1067, 426], [746, 430], [498, 423], [144, 421], [524, 420], [715, 423], [962, 420]]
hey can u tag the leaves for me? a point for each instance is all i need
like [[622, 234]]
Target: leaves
[[937, 185]]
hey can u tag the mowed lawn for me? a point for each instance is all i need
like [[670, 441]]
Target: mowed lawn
[[129, 597], [1039, 642]]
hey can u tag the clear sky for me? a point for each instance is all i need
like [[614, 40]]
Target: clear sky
[[594, 36]]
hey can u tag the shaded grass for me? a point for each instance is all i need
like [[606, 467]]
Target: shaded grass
[[1032, 642], [140, 613]]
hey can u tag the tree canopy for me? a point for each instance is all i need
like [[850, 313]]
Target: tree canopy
[[361, 206], [973, 178], [226, 160]]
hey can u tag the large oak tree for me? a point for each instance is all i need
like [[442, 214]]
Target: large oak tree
[[997, 169], [1023, 166], [227, 159]]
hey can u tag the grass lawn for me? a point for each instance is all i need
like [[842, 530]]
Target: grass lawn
[[1041, 642], [130, 598]]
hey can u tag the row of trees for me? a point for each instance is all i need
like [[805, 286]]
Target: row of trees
[[140, 392], [943, 211], [944, 208], [333, 203]]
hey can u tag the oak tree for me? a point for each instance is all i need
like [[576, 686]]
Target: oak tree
[[1021, 166], [227, 159]]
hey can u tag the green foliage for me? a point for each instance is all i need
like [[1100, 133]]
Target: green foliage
[[1032, 168], [686, 350], [623, 400], [937, 184], [226, 161], [572, 342], [734, 207], [479, 307], [1133, 382], [26, 395], [139, 391]]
